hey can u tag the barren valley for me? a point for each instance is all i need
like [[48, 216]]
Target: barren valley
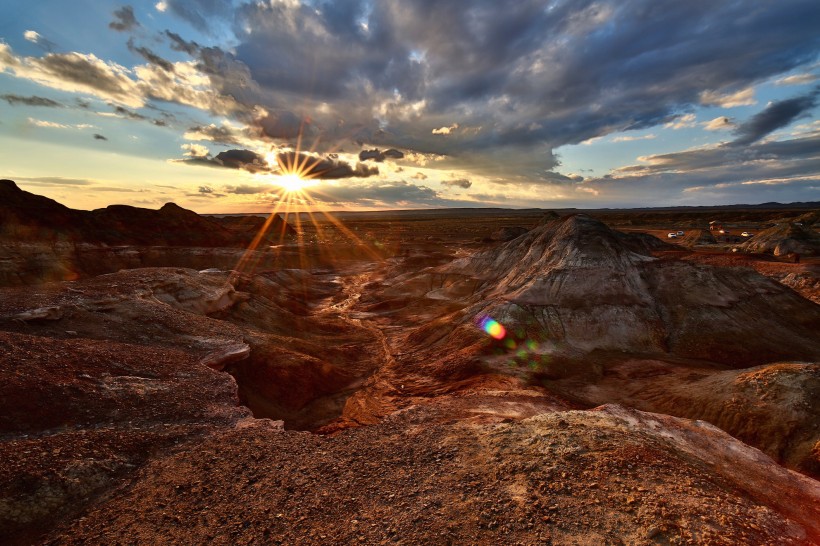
[[447, 377]]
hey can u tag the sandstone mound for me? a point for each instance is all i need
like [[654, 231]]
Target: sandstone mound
[[785, 238], [508, 233], [549, 216], [573, 285], [770, 406]]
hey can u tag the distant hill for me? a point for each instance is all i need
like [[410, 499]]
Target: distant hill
[[25, 216]]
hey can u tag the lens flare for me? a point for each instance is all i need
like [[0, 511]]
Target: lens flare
[[493, 328]]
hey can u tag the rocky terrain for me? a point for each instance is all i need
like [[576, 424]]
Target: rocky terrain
[[572, 385]]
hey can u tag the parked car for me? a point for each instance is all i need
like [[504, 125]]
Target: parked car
[[681, 234], [724, 232], [672, 235], [746, 234]]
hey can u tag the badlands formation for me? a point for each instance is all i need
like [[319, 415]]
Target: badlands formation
[[170, 378]]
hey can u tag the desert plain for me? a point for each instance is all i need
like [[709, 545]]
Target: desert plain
[[462, 376]]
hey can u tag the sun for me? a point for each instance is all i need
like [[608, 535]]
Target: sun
[[291, 182]]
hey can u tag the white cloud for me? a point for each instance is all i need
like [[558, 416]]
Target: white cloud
[[744, 97], [445, 130], [682, 122], [53, 125], [591, 141], [718, 124], [161, 6], [195, 150], [796, 79], [75, 72], [633, 138], [107, 80], [31, 36], [49, 124]]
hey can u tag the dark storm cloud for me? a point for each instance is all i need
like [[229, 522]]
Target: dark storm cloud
[[200, 13], [180, 44], [231, 159], [514, 74], [457, 182], [30, 101], [728, 155], [126, 113], [242, 159], [150, 56], [325, 168], [124, 19], [774, 116], [552, 176], [378, 155], [98, 136], [721, 174], [283, 125]]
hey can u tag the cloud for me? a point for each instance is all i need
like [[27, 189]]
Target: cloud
[[75, 72], [681, 122], [126, 113], [200, 13], [55, 181], [774, 116], [242, 159], [419, 176], [247, 160], [179, 44], [195, 150], [247, 189], [633, 138], [205, 189], [325, 168], [719, 123], [224, 134], [763, 171], [377, 194], [31, 101], [150, 56], [796, 79], [99, 137], [36, 38], [744, 97], [445, 130], [48, 124], [161, 6], [379, 156], [457, 182], [552, 176], [379, 73], [124, 19]]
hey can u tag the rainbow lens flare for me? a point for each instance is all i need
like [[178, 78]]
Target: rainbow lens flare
[[493, 327]]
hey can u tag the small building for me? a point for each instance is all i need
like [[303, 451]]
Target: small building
[[715, 225]]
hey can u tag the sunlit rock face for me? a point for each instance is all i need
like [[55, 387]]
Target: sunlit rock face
[[786, 238]]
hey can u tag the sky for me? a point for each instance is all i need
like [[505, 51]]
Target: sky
[[397, 104]]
